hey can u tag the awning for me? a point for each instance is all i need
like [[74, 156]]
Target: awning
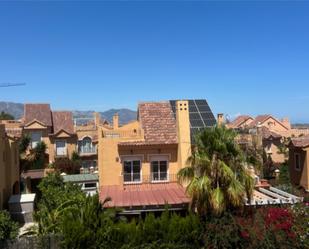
[[33, 174], [272, 196], [145, 196]]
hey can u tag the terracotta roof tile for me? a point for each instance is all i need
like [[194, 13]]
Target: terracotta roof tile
[[262, 118], [39, 112], [158, 122], [266, 133], [142, 195], [259, 119], [238, 121], [301, 142], [63, 121]]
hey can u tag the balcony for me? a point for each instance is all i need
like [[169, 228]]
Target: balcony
[[87, 150], [137, 178], [59, 153], [124, 134]]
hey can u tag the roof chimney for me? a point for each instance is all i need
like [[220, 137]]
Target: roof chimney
[[286, 122], [97, 119], [183, 131], [220, 119], [115, 121]]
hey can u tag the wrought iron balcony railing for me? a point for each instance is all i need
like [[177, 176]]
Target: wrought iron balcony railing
[[154, 177], [87, 150]]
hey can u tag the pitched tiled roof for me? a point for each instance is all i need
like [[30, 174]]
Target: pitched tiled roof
[[39, 112], [266, 133], [259, 119], [63, 121], [300, 142], [238, 121], [158, 122], [145, 195]]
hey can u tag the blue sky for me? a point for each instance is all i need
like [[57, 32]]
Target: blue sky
[[242, 56]]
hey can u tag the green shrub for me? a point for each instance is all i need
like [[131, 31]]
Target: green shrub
[[8, 228], [222, 232]]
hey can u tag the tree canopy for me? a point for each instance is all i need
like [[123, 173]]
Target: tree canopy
[[6, 116], [217, 177]]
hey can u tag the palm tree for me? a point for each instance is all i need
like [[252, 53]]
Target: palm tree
[[37, 156], [217, 178]]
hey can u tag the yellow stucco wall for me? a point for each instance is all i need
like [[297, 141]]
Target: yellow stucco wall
[[304, 180], [272, 148], [111, 155], [9, 167], [183, 132], [70, 146], [299, 176], [111, 158], [273, 125], [50, 140]]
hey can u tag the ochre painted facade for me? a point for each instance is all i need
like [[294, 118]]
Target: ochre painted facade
[[299, 171], [121, 143], [9, 167], [50, 140]]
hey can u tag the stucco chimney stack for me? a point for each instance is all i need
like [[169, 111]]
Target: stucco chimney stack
[[286, 122], [183, 131], [96, 119], [116, 121], [220, 119]]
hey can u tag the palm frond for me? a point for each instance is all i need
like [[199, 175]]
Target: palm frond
[[217, 200], [235, 192], [185, 174]]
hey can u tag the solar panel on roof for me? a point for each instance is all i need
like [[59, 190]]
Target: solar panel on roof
[[197, 123], [200, 101], [200, 115]]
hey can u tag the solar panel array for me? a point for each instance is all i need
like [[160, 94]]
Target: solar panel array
[[200, 115]]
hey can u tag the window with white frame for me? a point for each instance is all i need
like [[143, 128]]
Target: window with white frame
[[297, 161], [36, 137], [61, 149], [159, 168], [86, 146], [132, 170]]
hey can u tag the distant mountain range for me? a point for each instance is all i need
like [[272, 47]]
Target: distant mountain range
[[125, 115]]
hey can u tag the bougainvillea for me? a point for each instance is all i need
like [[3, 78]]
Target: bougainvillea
[[280, 219]]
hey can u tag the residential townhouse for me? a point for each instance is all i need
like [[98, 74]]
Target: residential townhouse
[[271, 131], [87, 135], [139, 161], [299, 162], [55, 129], [9, 166]]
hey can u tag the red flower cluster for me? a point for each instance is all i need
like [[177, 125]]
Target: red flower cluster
[[280, 219]]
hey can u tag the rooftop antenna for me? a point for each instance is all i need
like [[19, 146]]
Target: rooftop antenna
[[11, 84]]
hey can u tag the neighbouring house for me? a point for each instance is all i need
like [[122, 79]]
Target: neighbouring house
[[87, 135], [270, 132], [272, 142], [9, 166], [89, 182], [299, 161], [55, 129], [240, 122], [139, 161], [282, 127]]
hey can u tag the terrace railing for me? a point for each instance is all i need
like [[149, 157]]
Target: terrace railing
[[154, 177], [87, 150]]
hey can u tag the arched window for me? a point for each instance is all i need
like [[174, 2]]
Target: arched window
[[85, 145]]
